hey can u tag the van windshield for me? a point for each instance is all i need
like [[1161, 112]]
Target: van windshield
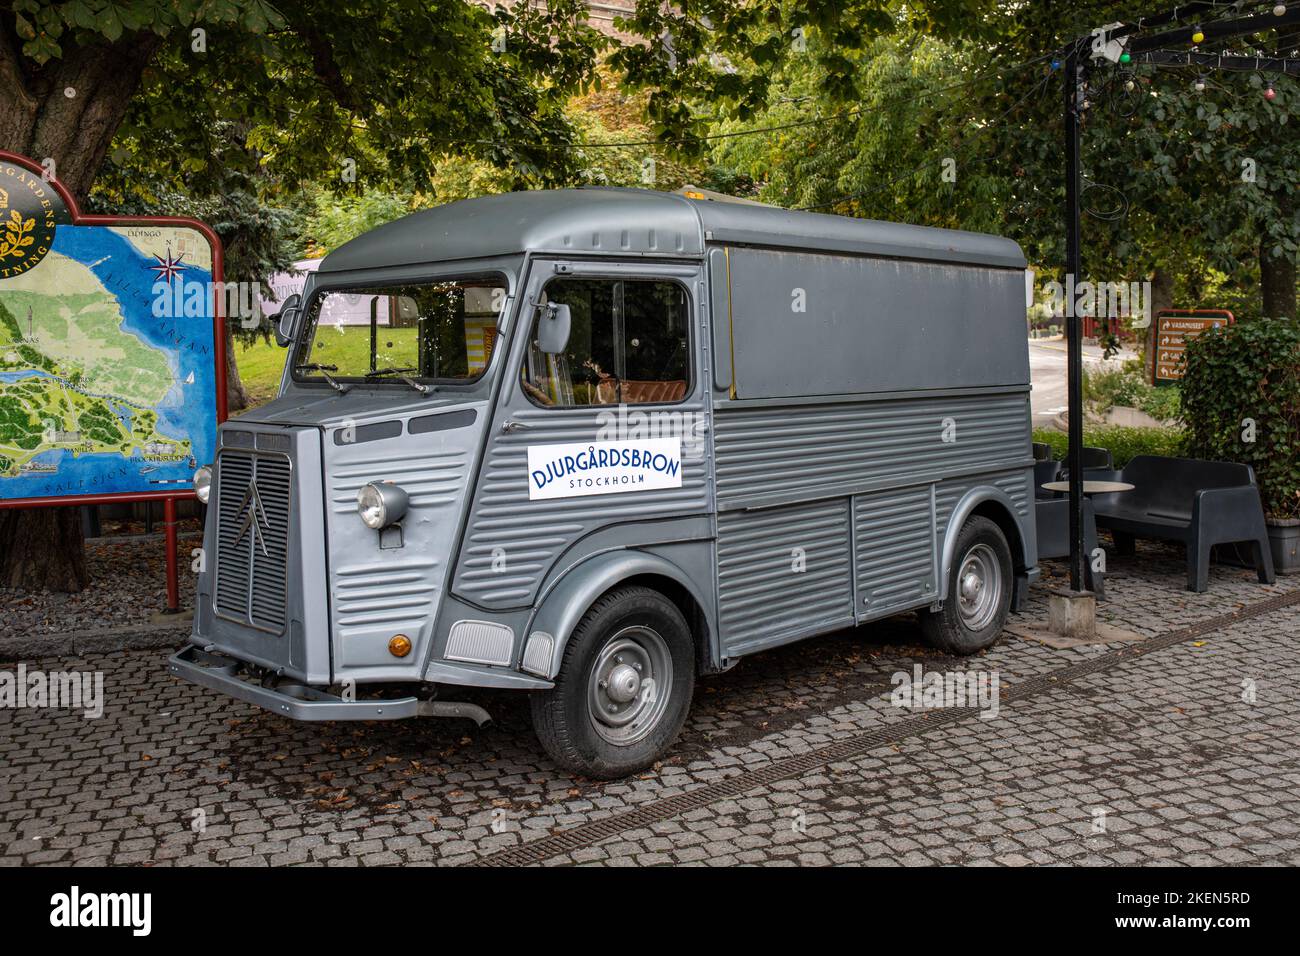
[[441, 331]]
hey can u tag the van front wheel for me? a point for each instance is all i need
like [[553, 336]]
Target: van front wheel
[[979, 591], [624, 686]]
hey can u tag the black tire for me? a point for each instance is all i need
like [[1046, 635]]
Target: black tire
[[563, 717], [950, 629]]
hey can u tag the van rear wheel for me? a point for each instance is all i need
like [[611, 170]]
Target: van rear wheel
[[624, 686], [979, 591]]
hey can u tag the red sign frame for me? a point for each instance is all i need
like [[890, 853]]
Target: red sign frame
[[218, 333]]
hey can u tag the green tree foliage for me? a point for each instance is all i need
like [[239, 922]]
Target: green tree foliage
[[335, 220], [327, 92], [1180, 179], [226, 109], [619, 148], [727, 53]]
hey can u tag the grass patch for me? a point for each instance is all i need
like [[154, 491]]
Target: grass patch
[[260, 365]]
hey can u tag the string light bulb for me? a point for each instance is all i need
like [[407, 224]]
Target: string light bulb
[[1270, 93], [1129, 86], [1279, 10], [1198, 35], [1200, 85], [1126, 57]]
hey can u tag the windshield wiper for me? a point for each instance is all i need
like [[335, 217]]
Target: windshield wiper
[[325, 374], [401, 373]]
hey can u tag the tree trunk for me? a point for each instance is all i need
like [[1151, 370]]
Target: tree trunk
[[1276, 281], [236, 394], [67, 111], [42, 548], [1162, 297]]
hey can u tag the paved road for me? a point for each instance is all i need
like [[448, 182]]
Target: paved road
[[795, 756], [1047, 373]]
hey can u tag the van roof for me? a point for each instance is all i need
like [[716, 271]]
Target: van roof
[[641, 222]]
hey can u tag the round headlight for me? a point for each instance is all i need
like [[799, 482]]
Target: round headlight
[[203, 483], [381, 504]]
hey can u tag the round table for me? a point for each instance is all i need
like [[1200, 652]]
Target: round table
[[1089, 487]]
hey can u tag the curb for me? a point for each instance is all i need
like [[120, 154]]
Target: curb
[[130, 637]]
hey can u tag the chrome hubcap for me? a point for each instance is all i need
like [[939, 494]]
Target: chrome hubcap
[[979, 587], [624, 682], [628, 692]]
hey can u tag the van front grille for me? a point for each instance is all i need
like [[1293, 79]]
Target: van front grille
[[252, 499]]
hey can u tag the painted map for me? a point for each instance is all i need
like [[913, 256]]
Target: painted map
[[107, 378]]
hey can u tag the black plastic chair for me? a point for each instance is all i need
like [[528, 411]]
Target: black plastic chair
[[1045, 471], [1200, 503], [1094, 460]]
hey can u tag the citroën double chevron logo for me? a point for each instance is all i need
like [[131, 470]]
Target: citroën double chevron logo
[[254, 521]]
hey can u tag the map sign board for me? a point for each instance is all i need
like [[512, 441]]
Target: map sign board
[[111, 361], [1173, 327]]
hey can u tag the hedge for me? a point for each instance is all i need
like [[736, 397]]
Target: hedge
[[1241, 402], [1127, 386], [1124, 443]]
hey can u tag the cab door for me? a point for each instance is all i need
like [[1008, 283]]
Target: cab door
[[611, 432]]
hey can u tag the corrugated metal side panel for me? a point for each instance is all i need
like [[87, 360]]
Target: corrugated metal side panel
[[511, 542], [1016, 485], [812, 448], [432, 480], [390, 591], [894, 539], [399, 596], [762, 593]]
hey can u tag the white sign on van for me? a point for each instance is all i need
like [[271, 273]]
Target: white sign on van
[[603, 467]]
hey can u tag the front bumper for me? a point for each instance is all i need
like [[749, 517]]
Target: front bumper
[[301, 701]]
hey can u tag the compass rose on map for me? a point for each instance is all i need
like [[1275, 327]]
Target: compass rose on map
[[168, 268]]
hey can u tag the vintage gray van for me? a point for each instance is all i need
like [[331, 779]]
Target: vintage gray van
[[589, 444]]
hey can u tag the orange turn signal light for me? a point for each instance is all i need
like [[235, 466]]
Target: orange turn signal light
[[399, 646]]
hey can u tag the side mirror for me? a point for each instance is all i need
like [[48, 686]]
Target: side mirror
[[553, 328], [287, 319]]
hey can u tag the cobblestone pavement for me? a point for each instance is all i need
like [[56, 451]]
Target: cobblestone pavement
[[1186, 750], [128, 575]]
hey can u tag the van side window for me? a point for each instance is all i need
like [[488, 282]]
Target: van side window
[[628, 344]]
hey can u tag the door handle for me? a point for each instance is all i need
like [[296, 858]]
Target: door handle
[[510, 425]]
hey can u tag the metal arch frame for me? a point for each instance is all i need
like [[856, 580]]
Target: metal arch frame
[[1148, 49]]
